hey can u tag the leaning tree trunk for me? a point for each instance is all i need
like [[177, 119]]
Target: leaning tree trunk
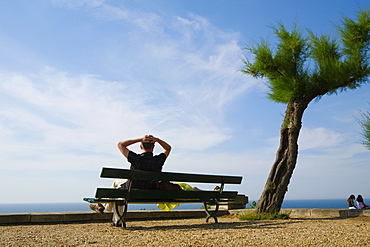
[[286, 157]]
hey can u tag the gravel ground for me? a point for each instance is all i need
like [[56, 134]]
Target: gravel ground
[[195, 232]]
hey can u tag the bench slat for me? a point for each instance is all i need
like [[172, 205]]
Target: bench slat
[[152, 201], [168, 176], [163, 195]]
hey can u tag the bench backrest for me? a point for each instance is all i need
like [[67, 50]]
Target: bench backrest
[[168, 176], [165, 195]]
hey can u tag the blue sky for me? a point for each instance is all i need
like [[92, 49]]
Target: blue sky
[[77, 76]]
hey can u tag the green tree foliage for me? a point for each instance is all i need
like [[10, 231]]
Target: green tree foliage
[[365, 124], [302, 67], [311, 66]]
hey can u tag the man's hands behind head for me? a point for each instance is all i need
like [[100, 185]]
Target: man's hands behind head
[[149, 138]]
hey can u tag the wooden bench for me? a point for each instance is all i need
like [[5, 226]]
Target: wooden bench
[[123, 197]]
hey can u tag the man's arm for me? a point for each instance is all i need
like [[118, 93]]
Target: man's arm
[[164, 145], [122, 146]]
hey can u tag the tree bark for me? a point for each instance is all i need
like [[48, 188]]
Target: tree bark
[[282, 169]]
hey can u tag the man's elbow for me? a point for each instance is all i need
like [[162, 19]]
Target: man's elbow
[[120, 145]]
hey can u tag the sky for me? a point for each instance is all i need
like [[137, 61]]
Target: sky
[[77, 76]]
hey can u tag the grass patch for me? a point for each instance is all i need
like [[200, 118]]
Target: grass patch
[[263, 216]]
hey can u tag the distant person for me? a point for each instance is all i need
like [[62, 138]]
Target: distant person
[[360, 203], [350, 200], [145, 161]]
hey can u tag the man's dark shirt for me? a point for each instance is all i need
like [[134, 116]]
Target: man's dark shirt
[[145, 162]]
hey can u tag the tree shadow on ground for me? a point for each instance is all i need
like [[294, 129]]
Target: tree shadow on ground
[[221, 225], [267, 224]]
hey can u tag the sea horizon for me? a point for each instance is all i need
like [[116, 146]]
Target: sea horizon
[[84, 206]]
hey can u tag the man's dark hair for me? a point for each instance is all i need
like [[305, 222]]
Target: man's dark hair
[[148, 145]]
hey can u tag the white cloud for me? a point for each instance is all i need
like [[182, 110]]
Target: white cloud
[[100, 9], [77, 4], [175, 84], [319, 138], [324, 144], [54, 117]]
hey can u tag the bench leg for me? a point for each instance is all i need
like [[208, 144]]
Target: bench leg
[[119, 214], [211, 214]]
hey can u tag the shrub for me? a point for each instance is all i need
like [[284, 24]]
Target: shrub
[[252, 205]]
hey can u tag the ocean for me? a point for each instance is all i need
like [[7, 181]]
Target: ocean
[[83, 206]]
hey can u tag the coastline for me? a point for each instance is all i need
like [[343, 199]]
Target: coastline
[[83, 206]]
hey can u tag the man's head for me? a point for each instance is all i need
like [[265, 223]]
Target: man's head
[[147, 146]]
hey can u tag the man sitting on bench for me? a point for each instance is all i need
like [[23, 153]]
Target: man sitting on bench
[[145, 161]]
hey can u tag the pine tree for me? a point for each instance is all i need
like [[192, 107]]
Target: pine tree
[[365, 124], [301, 68]]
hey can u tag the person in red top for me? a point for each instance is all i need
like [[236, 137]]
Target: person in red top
[[360, 203]]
